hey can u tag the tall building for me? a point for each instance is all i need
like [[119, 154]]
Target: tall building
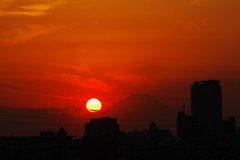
[[205, 122], [206, 100], [206, 105]]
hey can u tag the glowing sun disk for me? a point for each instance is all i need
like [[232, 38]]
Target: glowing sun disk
[[93, 105]]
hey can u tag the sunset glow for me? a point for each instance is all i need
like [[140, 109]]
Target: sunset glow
[[58, 53]]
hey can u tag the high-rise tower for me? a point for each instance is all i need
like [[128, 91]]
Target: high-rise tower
[[205, 124], [206, 103]]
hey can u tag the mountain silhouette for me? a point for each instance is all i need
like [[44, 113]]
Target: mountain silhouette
[[137, 111]]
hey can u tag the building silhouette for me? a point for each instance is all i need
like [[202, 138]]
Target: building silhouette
[[205, 122], [206, 105], [104, 126], [62, 132], [102, 139], [46, 146], [187, 129], [48, 133], [153, 136]]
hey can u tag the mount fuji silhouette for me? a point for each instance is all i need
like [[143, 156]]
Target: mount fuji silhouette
[[137, 111]]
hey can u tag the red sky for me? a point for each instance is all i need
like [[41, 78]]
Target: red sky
[[59, 53]]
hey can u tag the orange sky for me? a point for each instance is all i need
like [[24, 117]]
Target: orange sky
[[58, 53]]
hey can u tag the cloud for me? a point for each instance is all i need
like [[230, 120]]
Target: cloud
[[31, 10], [86, 72], [23, 34], [38, 9], [90, 78]]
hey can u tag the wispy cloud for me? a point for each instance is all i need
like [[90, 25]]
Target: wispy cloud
[[36, 9], [24, 33], [91, 79], [31, 10]]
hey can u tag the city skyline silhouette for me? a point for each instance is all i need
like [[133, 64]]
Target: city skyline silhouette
[[202, 132], [131, 113], [206, 104]]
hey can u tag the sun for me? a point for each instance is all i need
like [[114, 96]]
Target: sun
[[93, 105]]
